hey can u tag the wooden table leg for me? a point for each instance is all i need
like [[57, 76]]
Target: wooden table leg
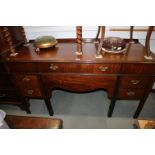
[[49, 106], [111, 108], [114, 98], [140, 106]]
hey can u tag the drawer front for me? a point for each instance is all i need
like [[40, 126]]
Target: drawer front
[[138, 68], [27, 80], [31, 92], [79, 83], [106, 68], [7, 94], [28, 85], [134, 82], [130, 93], [22, 67], [79, 68], [58, 67]]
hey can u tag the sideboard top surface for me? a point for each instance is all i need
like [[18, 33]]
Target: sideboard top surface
[[66, 52]]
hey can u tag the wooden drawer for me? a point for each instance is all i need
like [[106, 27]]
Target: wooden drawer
[[79, 83], [106, 68], [31, 92], [130, 93], [78, 68], [7, 94], [138, 68], [28, 85], [133, 82], [26, 80], [58, 67], [25, 67]]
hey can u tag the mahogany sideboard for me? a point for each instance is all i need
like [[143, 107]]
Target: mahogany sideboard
[[126, 76]]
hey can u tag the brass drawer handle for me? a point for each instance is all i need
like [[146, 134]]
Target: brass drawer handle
[[30, 92], [130, 93], [53, 67], [135, 82], [103, 68], [2, 95], [26, 79]]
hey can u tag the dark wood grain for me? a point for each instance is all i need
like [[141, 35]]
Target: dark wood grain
[[79, 83], [65, 52], [134, 81], [24, 122], [8, 93], [134, 68], [130, 93]]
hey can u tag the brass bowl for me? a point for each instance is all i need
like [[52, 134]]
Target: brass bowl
[[114, 45], [45, 42]]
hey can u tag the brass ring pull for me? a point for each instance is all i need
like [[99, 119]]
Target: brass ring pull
[[2, 95], [30, 92], [130, 93], [135, 82], [26, 79], [53, 67], [103, 68]]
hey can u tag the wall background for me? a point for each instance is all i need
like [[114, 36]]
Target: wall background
[[88, 32]]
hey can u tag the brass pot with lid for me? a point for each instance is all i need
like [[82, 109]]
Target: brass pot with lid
[[45, 42]]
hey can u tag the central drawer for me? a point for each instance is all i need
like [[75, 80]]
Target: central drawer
[[79, 68], [79, 82]]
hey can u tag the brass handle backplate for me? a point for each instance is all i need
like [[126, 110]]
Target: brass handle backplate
[[135, 82], [130, 93], [103, 68], [2, 95], [26, 79], [53, 67], [30, 92]]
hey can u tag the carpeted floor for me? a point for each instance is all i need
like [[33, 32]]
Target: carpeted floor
[[88, 110]]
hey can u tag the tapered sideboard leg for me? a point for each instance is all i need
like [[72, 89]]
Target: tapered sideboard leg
[[111, 108], [49, 106], [114, 98]]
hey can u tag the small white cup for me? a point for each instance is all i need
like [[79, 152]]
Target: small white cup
[[2, 116]]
